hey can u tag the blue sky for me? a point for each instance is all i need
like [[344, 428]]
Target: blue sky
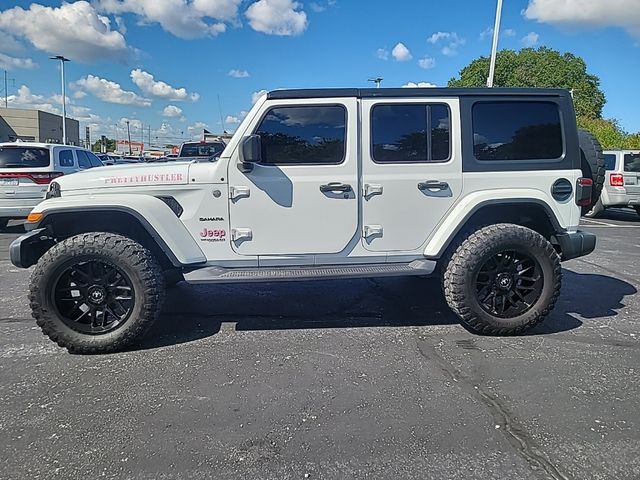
[[163, 63]]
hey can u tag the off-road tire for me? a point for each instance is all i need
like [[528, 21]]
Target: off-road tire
[[592, 165], [135, 260], [472, 251]]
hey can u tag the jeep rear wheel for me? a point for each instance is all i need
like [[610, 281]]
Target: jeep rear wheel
[[502, 279], [96, 292]]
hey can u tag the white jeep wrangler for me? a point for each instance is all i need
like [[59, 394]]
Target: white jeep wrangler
[[484, 187]]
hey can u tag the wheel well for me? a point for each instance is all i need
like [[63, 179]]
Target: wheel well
[[530, 215], [67, 224]]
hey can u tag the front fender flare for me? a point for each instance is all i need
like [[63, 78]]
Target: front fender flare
[[162, 224]]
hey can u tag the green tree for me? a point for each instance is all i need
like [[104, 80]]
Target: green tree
[[542, 67], [111, 145]]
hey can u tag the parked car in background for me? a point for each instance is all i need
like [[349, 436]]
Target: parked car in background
[[622, 182], [200, 150], [27, 168]]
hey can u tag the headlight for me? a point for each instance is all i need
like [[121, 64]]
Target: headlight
[[54, 191]]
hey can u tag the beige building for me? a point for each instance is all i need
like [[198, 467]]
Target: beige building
[[36, 126]]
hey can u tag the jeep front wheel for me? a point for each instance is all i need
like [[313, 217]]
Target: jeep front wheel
[[502, 279], [96, 292]]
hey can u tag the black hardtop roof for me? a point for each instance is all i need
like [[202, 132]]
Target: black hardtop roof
[[414, 92]]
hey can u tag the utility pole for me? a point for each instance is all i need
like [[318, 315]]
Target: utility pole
[[377, 81], [64, 97], [494, 45], [129, 136], [149, 126], [6, 88]]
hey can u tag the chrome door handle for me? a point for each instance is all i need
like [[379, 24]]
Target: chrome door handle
[[335, 187], [433, 185]]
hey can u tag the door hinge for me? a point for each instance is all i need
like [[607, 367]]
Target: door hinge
[[371, 189], [241, 234], [239, 192], [372, 230]]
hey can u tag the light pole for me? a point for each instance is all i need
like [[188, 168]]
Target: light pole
[[377, 81], [494, 45], [129, 137], [64, 97]]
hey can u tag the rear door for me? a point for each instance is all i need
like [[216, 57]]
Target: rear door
[[411, 169], [25, 172], [632, 177]]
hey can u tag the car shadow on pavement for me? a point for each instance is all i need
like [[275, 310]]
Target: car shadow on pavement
[[590, 296], [196, 312]]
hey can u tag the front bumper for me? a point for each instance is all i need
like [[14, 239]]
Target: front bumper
[[576, 244], [26, 250]]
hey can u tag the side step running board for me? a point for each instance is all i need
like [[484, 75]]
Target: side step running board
[[275, 274]]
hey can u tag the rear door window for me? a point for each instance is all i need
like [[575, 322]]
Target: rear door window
[[24, 157], [512, 131], [632, 162], [66, 158], [410, 133], [83, 159]]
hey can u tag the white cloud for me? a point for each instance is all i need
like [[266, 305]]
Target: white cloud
[[427, 63], [9, 63], [73, 28], [255, 96], [79, 94], [110, 92], [509, 32], [171, 111], [382, 54], [530, 39], [182, 18], [451, 42], [401, 53], [277, 17], [419, 85], [610, 13], [10, 44], [231, 120], [146, 82], [316, 7], [25, 99], [238, 73]]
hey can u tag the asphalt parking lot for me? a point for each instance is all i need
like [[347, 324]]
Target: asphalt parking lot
[[336, 380]]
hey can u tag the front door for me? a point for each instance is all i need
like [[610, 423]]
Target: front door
[[411, 169], [302, 198]]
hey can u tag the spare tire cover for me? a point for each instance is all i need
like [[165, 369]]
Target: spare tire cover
[[591, 164]]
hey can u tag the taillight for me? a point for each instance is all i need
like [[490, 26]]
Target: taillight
[[40, 178], [583, 191], [616, 180]]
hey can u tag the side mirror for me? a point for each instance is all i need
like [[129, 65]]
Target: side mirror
[[251, 149]]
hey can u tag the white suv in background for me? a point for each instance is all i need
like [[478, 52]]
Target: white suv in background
[[622, 181], [26, 169]]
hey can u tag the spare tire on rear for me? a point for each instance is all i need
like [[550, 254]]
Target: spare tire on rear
[[592, 165]]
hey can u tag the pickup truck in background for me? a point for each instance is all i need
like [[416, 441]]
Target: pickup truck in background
[[200, 150]]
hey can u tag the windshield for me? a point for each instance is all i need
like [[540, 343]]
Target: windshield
[[201, 149], [23, 157], [632, 162]]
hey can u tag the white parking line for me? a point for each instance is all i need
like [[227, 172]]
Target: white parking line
[[600, 223]]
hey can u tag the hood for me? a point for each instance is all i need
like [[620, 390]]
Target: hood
[[135, 175]]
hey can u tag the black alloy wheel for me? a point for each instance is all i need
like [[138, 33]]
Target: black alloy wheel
[[93, 297], [509, 283]]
